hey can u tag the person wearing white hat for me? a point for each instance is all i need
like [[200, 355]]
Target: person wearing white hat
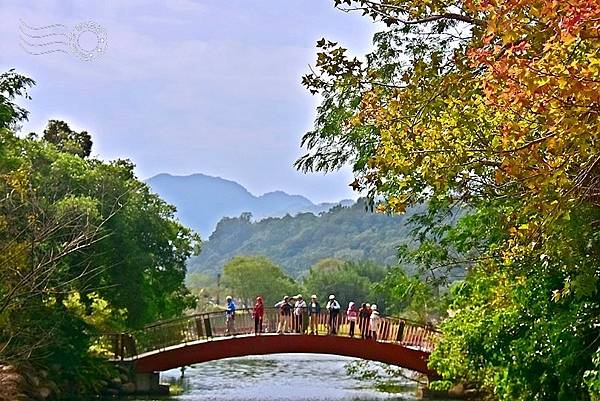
[[374, 321], [299, 310], [352, 316], [314, 311], [333, 306]]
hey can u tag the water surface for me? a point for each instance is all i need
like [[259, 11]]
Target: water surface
[[285, 377]]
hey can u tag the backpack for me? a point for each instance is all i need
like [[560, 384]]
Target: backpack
[[285, 308]]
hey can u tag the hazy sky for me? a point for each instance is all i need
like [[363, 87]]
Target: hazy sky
[[186, 86]]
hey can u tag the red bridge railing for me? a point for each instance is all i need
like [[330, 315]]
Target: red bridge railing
[[207, 326]]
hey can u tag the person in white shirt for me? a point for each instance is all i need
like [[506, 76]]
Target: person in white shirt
[[375, 318], [333, 307], [299, 310]]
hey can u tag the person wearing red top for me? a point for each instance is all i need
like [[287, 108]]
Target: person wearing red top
[[258, 313]]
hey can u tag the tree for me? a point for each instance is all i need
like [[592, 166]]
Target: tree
[[507, 108], [13, 85], [143, 248], [38, 236], [66, 140], [85, 247], [251, 276], [492, 105], [207, 291], [485, 101], [146, 250], [347, 281], [409, 296]]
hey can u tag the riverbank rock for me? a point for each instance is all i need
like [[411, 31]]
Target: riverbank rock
[[11, 383], [457, 391], [25, 385]]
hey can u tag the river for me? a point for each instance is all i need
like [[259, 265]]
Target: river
[[289, 377]]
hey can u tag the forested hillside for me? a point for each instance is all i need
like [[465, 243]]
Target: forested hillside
[[296, 243]]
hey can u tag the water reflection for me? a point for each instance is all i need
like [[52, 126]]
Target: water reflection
[[289, 377]]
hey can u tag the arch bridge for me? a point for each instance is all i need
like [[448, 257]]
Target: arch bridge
[[203, 337]]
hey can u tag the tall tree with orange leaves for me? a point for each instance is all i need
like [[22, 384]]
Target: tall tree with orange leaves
[[493, 105]]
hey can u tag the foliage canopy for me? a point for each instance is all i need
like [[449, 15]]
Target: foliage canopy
[[85, 247], [252, 276], [494, 105]]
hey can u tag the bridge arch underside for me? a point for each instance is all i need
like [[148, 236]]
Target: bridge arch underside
[[198, 352]]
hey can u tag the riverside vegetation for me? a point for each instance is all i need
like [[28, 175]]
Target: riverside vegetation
[[85, 248], [493, 106]]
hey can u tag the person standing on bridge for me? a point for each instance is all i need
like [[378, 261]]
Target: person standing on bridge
[[285, 312], [230, 316], [352, 315], [374, 321], [333, 306], [258, 313], [299, 309], [364, 315], [314, 311]]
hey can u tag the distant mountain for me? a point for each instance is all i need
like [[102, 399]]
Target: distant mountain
[[296, 243], [202, 200]]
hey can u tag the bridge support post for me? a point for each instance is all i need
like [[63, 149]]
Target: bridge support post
[[129, 381], [208, 327], [148, 383]]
